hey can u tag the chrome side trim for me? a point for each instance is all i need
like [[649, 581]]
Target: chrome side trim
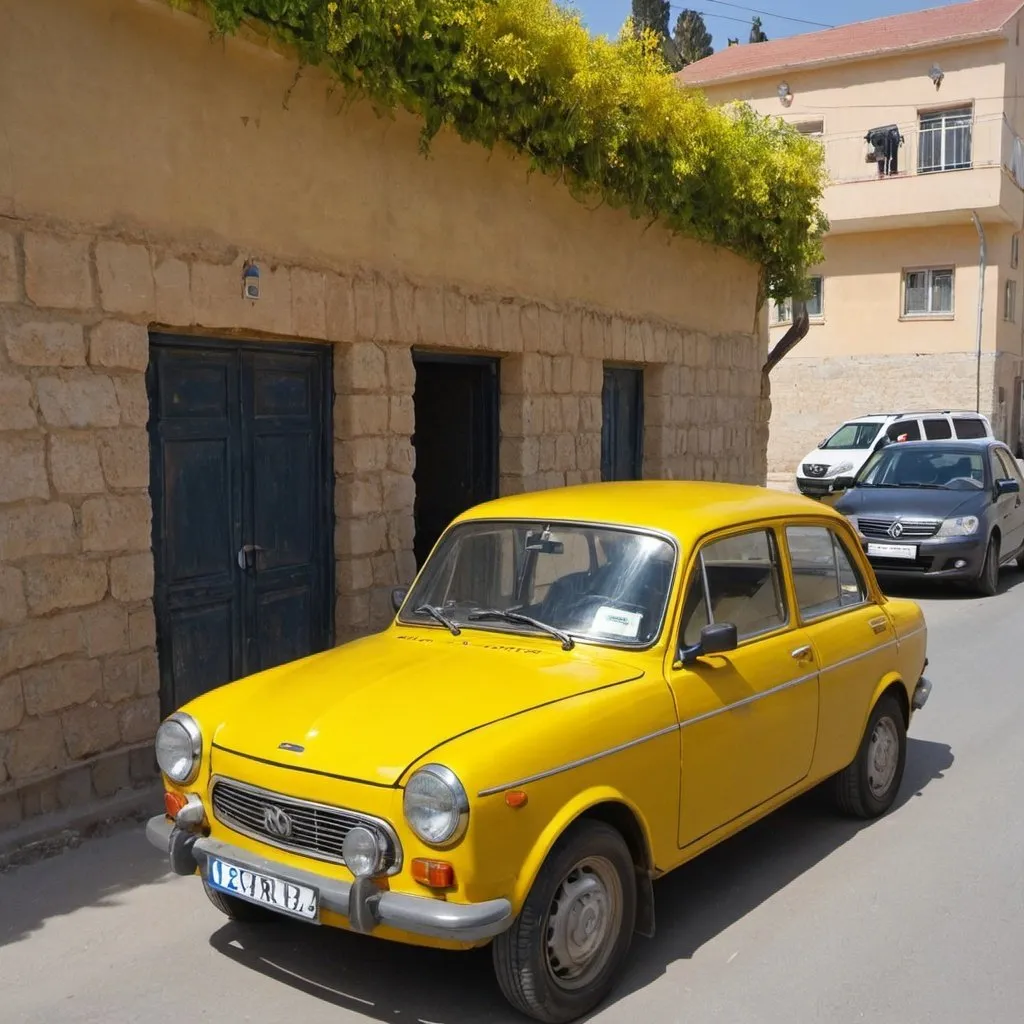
[[858, 657], [304, 851], [781, 688]]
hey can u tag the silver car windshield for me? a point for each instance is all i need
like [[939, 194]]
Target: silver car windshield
[[597, 583]]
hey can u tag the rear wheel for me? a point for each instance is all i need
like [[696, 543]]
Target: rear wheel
[[867, 788], [987, 583], [238, 910], [560, 957]]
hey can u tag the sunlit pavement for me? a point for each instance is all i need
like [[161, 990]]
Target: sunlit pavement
[[804, 918]]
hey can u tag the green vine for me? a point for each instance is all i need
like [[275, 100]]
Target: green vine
[[604, 116]]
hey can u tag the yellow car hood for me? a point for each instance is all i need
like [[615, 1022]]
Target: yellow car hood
[[369, 709]]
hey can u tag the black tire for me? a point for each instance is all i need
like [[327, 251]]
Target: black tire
[[239, 909], [856, 792], [525, 961], [987, 583]]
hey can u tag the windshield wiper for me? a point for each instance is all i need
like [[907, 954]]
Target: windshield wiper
[[494, 613], [436, 613]]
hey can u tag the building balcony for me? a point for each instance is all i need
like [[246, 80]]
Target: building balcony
[[924, 175]]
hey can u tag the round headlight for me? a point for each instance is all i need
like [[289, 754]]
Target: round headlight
[[179, 746], [361, 851], [436, 806]]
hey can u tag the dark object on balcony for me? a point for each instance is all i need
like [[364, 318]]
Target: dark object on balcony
[[885, 143]]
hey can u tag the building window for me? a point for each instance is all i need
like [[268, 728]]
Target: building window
[[814, 129], [928, 292], [1010, 301], [944, 140], [782, 312], [1014, 252]]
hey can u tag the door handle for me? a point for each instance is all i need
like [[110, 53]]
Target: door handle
[[801, 652], [245, 561]]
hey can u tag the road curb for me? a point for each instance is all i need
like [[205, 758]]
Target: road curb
[[51, 834]]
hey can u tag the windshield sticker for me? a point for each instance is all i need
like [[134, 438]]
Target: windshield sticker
[[615, 622]]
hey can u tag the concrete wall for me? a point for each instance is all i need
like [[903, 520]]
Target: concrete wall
[[140, 165]]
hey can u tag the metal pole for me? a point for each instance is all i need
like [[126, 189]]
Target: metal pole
[[981, 305]]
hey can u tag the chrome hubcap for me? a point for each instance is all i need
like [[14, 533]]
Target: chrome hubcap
[[883, 756], [584, 920]]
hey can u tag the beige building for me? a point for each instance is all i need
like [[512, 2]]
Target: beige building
[[196, 483], [921, 116]]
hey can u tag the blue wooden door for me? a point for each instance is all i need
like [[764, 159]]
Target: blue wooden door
[[242, 509], [622, 427]]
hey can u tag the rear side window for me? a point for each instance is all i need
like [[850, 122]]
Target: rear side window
[[824, 575], [904, 430], [937, 429], [970, 427], [1011, 470], [740, 578]]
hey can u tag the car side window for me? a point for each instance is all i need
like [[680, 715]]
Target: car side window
[[906, 430], [1010, 467], [938, 429], [737, 580], [968, 427], [825, 577]]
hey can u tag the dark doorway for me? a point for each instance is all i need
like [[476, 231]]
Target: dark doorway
[[242, 488], [622, 426], [456, 440]]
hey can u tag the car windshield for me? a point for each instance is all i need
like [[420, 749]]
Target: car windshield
[[568, 580], [853, 435], [932, 467]]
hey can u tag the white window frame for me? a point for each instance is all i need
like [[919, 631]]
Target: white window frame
[[1010, 300], [782, 312], [945, 314], [939, 122], [1014, 251]]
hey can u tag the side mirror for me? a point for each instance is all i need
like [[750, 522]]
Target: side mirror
[[1004, 487], [398, 596], [843, 483], [717, 638]]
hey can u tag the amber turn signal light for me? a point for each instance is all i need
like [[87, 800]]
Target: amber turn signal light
[[516, 798], [173, 802], [435, 874]]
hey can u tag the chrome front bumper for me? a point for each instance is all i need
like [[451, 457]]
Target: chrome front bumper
[[361, 901]]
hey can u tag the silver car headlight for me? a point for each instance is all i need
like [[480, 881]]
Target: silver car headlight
[[179, 748], [839, 469], [961, 526], [436, 806]]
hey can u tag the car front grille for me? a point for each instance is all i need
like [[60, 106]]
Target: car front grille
[[910, 529], [901, 565], [813, 469], [311, 829]]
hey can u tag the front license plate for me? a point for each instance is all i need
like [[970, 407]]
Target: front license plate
[[908, 551], [266, 890]]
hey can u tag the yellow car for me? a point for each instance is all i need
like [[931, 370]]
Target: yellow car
[[583, 689]]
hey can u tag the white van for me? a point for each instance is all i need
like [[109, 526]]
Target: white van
[[844, 452]]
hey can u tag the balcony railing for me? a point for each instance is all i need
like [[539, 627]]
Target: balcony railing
[[930, 146]]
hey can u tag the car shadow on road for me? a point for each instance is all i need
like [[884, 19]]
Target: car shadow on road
[[1010, 579], [383, 981]]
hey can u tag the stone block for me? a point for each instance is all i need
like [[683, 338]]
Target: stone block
[[483, 325], [402, 416], [36, 530], [132, 400], [352, 611], [23, 469], [142, 628], [309, 303], [9, 291], [594, 336], [358, 497], [173, 292], [548, 454], [10, 804], [361, 536], [13, 608], [75, 464], [116, 524], [16, 412], [217, 294], [131, 577], [149, 673], [61, 583], [361, 415], [74, 787], [401, 370], [38, 641], [401, 456], [399, 492], [385, 571], [104, 629], [529, 323], [455, 333], [570, 405], [361, 367], [634, 342], [581, 375], [119, 345], [401, 531], [57, 272], [511, 326], [365, 305], [111, 774], [126, 278], [386, 328], [90, 729], [552, 331], [561, 375], [591, 413], [122, 676], [37, 747], [46, 344], [142, 764], [84, 400], [39, 798], [340, 309], [12, 703], [64, 684], [429, 307], [572, 332], [125, 457], [139, 718], [354, 574], [361, 455]]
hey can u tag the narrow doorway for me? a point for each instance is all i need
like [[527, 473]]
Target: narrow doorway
[[241, 480], [622, 425], [456, 440]]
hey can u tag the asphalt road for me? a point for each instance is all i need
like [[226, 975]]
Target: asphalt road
[[804, 918]]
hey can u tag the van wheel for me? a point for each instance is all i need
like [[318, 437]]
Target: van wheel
[[867, 787], [561, 956], [239, 910], [988, 581]]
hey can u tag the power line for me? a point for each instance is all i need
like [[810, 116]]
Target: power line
[[752, 10]]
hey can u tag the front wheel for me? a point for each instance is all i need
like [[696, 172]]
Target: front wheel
[[988, 581], [560, 957], [867, 787]]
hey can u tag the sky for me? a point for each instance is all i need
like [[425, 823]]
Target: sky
[[732, 19]]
